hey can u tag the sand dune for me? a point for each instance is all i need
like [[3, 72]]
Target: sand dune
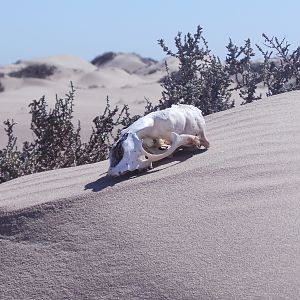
[[126, 79], [129, 62], [219, 224]]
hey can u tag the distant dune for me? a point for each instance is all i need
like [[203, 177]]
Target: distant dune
[[125, 77], [220, 224]]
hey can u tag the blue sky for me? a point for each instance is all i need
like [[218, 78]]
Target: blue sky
[[87, 28]]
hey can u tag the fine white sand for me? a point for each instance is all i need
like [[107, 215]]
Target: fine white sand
[[217, 224]]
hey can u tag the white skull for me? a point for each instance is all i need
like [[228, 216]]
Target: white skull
[[128, 154]]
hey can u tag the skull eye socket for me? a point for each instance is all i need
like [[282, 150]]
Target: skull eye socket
[[117, 154]]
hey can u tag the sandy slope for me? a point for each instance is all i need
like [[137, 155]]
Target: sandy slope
[[220, 224]]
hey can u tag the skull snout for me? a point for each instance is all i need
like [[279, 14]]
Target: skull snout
[[125, 154]]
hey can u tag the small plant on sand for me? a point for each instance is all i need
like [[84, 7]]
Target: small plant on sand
[[282, 73], [106, 130], [41, 71], [104, 58], [1, 85], [239, 66], [57, 142], [201, 80], [10, 156]]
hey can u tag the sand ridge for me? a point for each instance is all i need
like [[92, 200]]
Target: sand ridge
[[222, 223]]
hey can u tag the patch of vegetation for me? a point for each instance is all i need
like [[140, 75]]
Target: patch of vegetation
[[1, 85], [245, 74], [201, 80], [104, 58], [57, 142], [281, 74], [41, 71]]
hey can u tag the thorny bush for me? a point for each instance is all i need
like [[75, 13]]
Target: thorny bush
[[57, 142], [201, 80]]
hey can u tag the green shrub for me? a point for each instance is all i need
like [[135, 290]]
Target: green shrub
[[1, 85], [41, 71], [57, 142], [282, 73], [10, 164], [201, 79], [245, 74], [104, 58]]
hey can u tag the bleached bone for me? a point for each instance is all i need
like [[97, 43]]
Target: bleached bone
[[180, 125]]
